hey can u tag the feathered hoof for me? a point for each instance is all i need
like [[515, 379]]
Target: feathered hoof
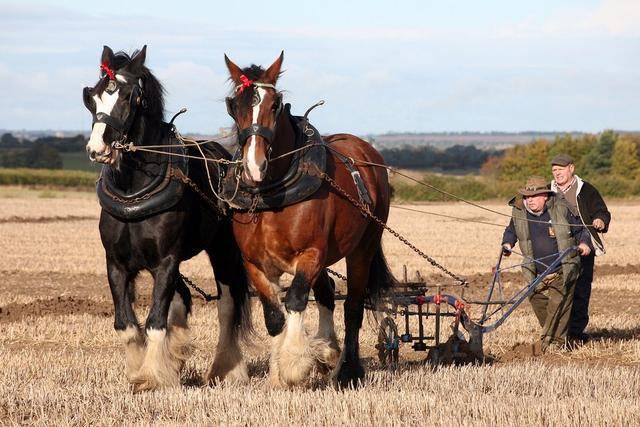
[[165, 356], [146, 381], [295, 364], [327, 354], [228, 371]]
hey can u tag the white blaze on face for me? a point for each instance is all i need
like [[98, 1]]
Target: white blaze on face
[[104, 104], [252, 162]]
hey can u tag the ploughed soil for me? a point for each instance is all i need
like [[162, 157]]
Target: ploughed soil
[[24, 295], [63, 294]]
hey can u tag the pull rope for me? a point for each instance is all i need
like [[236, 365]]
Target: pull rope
[[217, 194], [189, 141]]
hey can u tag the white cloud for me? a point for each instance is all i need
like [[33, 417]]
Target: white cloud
[[610, 18]]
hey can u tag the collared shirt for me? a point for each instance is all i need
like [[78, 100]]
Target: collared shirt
[[570, 195]]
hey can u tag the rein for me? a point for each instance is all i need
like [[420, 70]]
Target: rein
[[189, 141]]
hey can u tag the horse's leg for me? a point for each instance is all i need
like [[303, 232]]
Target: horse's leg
[[324, 292], [178, 335], [234, 316], [349, 370], [125, 323], [298, 354], [268, 289], [166, 349]]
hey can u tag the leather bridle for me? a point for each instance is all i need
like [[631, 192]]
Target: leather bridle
[[123, 127], [254, 129]]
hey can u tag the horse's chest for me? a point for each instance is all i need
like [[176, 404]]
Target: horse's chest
[[265, 250], [137, 245]]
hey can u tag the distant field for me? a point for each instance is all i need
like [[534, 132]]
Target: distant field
[[78, 161], [63, 363]]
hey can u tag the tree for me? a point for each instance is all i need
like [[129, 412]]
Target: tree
[[522, 161], [624, 161], [9, 141], [42, 156], [598, 160]]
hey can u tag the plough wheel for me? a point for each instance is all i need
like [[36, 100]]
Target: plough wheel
[[388, 343]]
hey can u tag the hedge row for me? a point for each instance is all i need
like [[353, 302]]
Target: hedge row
[[467, 187], [48, 177], [483, 188]]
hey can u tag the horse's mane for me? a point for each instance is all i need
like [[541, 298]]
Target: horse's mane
[[152, 88]]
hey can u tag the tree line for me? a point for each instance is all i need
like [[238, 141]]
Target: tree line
[[458, 158], [611, 160], [41, 153]]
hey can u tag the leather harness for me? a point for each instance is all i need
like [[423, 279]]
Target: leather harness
[[161, 194], [297, 184], [300, 182]]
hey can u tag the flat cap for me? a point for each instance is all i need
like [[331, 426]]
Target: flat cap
[[562, 160]]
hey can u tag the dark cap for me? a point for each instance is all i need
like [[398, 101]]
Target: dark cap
[[562, 160]]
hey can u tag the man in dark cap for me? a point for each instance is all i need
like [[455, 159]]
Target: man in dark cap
[[544, 226], [586, 203]]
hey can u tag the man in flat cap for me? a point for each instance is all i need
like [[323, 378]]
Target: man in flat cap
[[544, 226], [586, 203]]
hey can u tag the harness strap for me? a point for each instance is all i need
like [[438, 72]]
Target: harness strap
[[363, 194], [255, 129]]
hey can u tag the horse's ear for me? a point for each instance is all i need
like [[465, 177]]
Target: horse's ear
[[107, 56], [234, 71], [273, 72], [135, 66]]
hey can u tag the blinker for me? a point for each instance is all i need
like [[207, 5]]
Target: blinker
[[229, 102], [111, 87], [255, 100]]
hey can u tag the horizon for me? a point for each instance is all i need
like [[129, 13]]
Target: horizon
[[490, 67]]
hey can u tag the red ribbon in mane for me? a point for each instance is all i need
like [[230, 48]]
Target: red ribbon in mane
[[245, 83], [104, 67]]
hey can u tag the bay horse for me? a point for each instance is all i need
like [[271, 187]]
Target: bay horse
[[127, 105], [304, 238]]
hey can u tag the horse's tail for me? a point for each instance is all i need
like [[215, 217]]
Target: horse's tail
[[380, 277]]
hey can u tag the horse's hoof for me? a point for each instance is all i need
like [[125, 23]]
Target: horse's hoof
[[350, 376]]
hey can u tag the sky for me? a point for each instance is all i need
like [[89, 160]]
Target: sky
[[381, 66]]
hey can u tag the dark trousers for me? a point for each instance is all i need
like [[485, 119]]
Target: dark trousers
[[551, 302], [580, 310]]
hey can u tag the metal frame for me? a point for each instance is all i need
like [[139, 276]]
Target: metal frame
[[415, 294]]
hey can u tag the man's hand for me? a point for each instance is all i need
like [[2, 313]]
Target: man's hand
[[584, 249], [506, 249], [598, 224]]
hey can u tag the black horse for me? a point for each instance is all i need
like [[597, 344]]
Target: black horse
[[153, 220]]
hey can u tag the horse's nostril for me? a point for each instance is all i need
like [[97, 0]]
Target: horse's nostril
[[263, 166], [92, 155]]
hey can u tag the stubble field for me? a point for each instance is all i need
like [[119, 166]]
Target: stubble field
[[62, 362]]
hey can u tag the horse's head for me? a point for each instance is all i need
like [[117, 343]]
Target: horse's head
[[118, 101], [255, 105]]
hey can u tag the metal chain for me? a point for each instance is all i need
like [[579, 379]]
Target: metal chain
[[365, 209], [207, 297], [188, 181], [335, 273]]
